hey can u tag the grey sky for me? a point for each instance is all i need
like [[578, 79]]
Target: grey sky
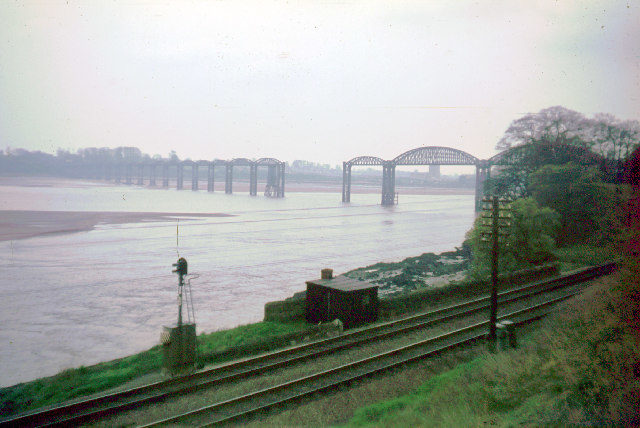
[[322, 81]]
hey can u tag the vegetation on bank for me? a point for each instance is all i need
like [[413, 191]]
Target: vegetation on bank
[[413, 272], [213, 348], [580, 368]]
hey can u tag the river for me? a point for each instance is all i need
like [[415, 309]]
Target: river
[[80, 298]]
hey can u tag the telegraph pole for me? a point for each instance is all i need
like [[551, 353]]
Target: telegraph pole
[[494, 214]]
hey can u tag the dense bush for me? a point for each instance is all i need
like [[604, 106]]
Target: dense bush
[[529, 239], [590, 210]]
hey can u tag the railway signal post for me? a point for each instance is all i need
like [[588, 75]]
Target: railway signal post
[[179, 341]]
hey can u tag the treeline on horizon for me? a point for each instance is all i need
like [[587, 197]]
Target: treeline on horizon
[[610, 140], [85, 163]]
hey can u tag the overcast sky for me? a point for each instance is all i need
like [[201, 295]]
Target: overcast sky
[[321, 81]]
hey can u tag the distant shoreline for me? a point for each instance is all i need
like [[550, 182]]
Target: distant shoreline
[[238, 186], [23, 224]]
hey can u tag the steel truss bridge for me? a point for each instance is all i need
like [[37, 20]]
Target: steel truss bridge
[[128, 172], [429, 155]]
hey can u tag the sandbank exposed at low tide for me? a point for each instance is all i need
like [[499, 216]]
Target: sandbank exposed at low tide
[[27, 224]]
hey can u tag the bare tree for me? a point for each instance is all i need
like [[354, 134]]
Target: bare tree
[[551, 125], [612, 138]]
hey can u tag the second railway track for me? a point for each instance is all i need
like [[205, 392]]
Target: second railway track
[[108, 405]]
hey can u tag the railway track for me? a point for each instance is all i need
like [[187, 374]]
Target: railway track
[[92, 409]]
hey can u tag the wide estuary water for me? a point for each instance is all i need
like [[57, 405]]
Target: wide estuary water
[[80, 298]]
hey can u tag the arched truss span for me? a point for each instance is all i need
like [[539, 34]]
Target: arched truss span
[[268, 161], [435, 155], [366, 160]]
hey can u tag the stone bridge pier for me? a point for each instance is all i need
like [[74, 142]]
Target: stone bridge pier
[[346, 182], [165, 175], [228, 179], [388, 183], [194, 176], [210, 173]]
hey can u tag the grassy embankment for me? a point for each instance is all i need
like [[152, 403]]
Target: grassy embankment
[[241, 341], [581, 368], [214, 347]]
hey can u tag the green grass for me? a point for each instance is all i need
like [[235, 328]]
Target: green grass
[[214, 347], [580, 255], [580, 368]]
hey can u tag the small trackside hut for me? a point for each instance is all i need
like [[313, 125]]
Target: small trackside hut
[[352, 301]]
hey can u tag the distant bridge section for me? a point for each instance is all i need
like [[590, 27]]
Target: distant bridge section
[[428, 155], [435, 155], [152, 170]]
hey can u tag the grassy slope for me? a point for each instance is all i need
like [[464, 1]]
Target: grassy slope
[[583, 367], [577, 256], [83, 381]]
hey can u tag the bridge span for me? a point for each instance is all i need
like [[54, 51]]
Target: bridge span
[[428, 155], [151, 171]]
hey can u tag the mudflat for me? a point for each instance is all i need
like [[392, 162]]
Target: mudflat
[[16, 225]]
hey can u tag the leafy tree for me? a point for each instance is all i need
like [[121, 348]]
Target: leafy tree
[[589, 208], [530, 239], [511, 177]]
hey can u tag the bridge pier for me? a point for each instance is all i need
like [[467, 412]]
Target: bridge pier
[[228, 180], [388, 183], [210, 173], [180, 176], [282, 168], [272, 181], [483, 171], [194, 176], [140, 174], [128, 173], [275, 180], [253, 179], [165, 175], [346, 182]]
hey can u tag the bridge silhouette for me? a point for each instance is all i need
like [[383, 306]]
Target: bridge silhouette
[[429, 155], [127, 172]]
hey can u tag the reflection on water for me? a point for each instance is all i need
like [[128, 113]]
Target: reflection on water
[[78, 299]]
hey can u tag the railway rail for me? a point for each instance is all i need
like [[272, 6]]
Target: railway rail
[[107, 405]]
